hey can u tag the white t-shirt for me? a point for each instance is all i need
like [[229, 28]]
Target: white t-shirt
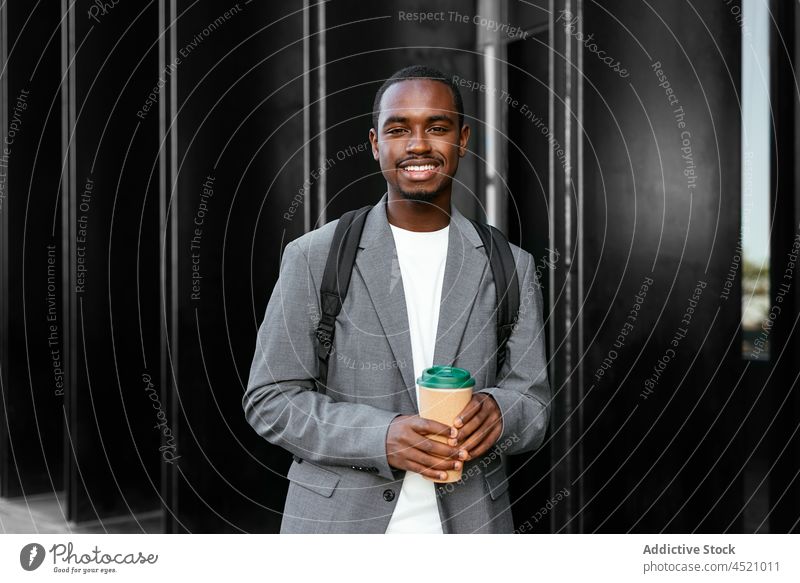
[[422, 258]]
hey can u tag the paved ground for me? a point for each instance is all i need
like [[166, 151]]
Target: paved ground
[[45, 514]]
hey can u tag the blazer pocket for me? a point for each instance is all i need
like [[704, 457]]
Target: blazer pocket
[[496, 482], [313, 477]]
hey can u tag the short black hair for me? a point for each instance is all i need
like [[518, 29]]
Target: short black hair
[[418, 72]]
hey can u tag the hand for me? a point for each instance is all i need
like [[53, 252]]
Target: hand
[[478, 426], [408, 448]]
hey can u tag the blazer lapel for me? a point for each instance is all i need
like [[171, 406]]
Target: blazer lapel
[[463, 274], [377, 263], [465, 268]]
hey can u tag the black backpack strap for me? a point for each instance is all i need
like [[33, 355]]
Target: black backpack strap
[[335, 283], [506, 284], [334, 286]]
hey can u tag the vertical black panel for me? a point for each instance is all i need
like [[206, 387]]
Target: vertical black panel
[[32, 320], [566, 290], [530, 15], [529, 227], [231, 209], [663, 408], [783, 390], [114, 430]]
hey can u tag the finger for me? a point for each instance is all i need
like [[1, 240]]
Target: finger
[[420, 469], [478, 436], [483, 439], [433, 447], [468, 412], [469, 428], [429, 427], [433, 462], [487, 443], [485, 413]]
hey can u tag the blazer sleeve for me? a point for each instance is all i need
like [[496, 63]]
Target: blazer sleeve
[[280, 403], [523, 390]]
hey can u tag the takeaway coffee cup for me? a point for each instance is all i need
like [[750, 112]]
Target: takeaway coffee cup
[[444, 391]]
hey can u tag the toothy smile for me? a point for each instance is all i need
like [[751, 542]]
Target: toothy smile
[[422, 168]]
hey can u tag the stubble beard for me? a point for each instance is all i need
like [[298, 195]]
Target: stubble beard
[[420, 196]]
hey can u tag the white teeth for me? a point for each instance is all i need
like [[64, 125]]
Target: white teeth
[[419, 168]]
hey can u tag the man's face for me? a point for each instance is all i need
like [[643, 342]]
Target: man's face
[[417, 141]]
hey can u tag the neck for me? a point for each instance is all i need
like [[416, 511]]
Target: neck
[[413, 215]]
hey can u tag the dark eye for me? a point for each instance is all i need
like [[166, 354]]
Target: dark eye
[[439, 129], [394, 130]]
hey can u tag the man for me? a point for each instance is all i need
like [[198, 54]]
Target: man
[[421, 293]]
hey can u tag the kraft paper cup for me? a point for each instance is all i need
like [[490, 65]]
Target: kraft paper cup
[[444, 391]]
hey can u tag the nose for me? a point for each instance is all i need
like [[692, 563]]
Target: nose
[[417, 144]]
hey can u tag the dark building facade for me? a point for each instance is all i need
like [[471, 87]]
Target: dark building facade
[[158, 157]]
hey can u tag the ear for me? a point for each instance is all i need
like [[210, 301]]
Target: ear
[[373, 140], [462, 140]]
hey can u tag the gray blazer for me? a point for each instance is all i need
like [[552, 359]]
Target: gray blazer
[[343, 483]]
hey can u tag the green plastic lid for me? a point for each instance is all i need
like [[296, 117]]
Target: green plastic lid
[[445, 377]]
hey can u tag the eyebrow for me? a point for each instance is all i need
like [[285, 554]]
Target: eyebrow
[[433, 118]]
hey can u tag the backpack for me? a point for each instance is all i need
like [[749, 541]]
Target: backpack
[[339, 268]]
